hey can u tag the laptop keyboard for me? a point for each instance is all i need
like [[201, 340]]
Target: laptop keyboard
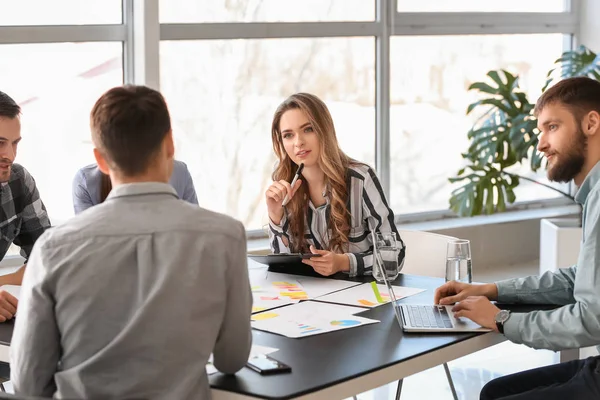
[[428, 316]]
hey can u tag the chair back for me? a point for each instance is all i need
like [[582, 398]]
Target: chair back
[[425, 253]]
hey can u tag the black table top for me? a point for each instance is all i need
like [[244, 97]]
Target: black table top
[[321, 361]]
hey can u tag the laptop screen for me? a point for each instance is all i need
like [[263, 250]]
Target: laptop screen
[[378, 263]]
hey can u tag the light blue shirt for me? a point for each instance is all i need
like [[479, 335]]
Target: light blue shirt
[[86, 186], [577, 289]]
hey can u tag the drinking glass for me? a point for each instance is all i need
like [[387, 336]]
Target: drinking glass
[[386, 254], [458, 261]]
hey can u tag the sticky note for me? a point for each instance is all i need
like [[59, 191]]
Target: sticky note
[[376, 292], [367, 303], [295, 295], [262, 316], [269, 298]]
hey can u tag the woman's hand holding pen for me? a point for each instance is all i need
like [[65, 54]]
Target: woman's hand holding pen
[[275, 195], [328, 263]]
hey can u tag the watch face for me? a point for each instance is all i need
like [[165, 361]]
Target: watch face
[[502, 316]]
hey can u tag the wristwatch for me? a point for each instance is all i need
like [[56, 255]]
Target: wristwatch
[[501, 318]]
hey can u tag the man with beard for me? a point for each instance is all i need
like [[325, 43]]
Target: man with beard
[[568, 117], [23, 217]]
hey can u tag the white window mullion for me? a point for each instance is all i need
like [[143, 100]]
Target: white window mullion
[[465, 23], [61, 33], [142, 63], [382, 95]]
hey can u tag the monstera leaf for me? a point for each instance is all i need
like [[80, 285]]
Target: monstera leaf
[[504, 134], [486, 190], [523, 137], [580, 62]]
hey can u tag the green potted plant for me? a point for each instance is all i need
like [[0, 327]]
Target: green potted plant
[[506, 135]]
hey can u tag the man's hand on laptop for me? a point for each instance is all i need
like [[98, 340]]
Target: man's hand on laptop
[[453, 292], [8, 305], [478, 309]]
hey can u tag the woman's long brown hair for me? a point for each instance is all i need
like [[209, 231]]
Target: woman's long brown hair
[[332, 161], [105, 187]]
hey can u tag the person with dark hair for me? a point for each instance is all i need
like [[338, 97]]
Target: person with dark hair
[[568, 117], [130, 298], [24, 217], [91, 186]]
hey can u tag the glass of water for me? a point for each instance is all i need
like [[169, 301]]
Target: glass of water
[[458, 261], [386, 255]]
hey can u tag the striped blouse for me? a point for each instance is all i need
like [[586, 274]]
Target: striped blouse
[[368, 207]]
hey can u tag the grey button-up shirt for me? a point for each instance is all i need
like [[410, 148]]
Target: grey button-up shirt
[[577, 323], [129, 299]]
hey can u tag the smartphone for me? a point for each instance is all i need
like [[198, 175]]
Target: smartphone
[[266, 365]]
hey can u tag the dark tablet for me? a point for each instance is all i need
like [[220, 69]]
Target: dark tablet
[[282, 258]]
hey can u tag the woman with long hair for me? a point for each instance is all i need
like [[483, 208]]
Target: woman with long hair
[[336, 201]]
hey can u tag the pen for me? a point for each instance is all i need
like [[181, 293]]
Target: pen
[[298, 172]]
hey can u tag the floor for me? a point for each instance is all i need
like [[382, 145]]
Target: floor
[[472, 372], [469, 374]]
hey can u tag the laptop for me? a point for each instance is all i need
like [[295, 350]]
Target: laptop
[[423, 317]]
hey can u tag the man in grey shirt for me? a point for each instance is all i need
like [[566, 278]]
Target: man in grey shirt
[[129, 298]]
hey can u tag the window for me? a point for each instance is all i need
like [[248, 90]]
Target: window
[[222, 95], [225, 65], [185, 11], [60, 12], [482, 6], [56, 85], [429, 80]]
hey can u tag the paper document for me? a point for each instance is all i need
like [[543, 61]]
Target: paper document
[[255, 351], [273, 289], [364, 296], [211, 369], [309, 318], [316, 287], [12, 289]]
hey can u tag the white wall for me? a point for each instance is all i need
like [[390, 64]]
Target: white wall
[[589, 32], [500, 240]]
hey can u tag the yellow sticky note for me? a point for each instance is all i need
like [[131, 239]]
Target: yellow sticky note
[[298, 296], [257, 309], [367, 303], [266, 315]]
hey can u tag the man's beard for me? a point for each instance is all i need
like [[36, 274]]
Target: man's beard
[[569, 163]]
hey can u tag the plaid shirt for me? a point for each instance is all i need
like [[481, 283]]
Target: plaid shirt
[[23, 216]]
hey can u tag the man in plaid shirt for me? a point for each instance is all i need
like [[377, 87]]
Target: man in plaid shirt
[[23, 216]]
